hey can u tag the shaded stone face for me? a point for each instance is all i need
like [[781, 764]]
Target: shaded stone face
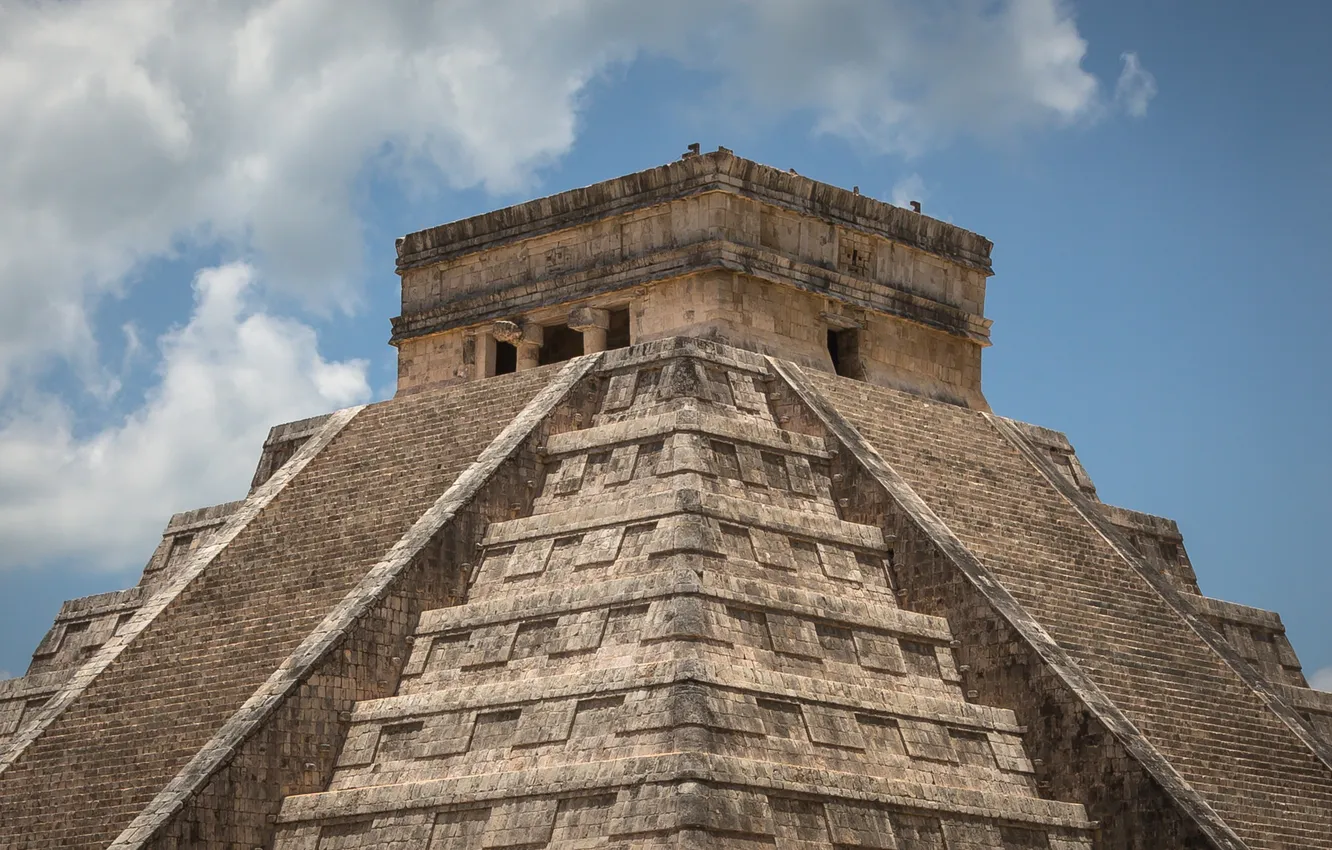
[[715, 247], [684, 643]]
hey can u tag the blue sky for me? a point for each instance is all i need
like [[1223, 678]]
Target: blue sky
[[197, 214]]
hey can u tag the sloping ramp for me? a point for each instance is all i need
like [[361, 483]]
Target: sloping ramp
[[1258, 776], [130, 730]]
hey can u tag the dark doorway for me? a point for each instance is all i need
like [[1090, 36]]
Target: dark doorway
[[844, 349], [617, 335], [506, 358], [559, 343]]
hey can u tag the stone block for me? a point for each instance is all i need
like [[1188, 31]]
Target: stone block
[[800, 475], [860, 825], [520, 822], [488, 645], [772, 549], [579, 632], [621, 466], [686, 533], [748, 397], [679, 618], [545, 723], [878, 651], [794, 636], [972, 835], [839, 563], [446, 734], [528, 558], [926, 740], [833, 727]]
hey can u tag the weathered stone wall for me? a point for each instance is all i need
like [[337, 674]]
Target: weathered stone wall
[[749, 313], [294, 750], [753, 264], [1075, 756], [507, 275], [1207, 725]]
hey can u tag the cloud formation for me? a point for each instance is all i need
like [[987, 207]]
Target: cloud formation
[[1135, 88], [903, 77], [226, 376], [909, 188], [135, 130], [127, 128]]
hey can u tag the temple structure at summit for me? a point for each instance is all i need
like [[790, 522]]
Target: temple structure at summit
[[689, 526]]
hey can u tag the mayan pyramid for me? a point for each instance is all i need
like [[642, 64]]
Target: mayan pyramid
[[688, 527]]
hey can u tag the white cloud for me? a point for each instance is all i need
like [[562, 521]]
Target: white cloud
[[909, 188], [5, 674], [131, 130], [904, 76], [1136, 86], [226, 376], [1322, 679], [127, 127]]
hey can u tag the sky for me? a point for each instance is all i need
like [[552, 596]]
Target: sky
[[198, 205]]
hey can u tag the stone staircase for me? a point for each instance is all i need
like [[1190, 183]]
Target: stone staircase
[[684, 645]]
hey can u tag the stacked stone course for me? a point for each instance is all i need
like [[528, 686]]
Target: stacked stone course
[[683, 645]]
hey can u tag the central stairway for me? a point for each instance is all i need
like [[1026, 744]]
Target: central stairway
[[684, 645]]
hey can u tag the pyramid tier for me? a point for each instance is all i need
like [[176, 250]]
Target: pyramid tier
[[683, 645]]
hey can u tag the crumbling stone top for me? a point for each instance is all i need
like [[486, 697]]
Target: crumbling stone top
[[720, 171]]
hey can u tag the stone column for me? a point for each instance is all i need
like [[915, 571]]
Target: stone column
[[592, 323], [484, 353], [529, 348]]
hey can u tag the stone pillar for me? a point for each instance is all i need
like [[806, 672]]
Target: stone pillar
[[592, 323], [529, 348], [484, 353]]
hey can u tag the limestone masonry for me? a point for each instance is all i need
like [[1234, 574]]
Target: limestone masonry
[[689, 527]]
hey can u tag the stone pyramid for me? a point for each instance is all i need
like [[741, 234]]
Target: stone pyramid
[[736, 557]]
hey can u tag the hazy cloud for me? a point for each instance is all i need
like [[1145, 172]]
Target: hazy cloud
[[909, 188], [904, 76], [1136, 86], [133, 129], [1322, 679], [226, 376]]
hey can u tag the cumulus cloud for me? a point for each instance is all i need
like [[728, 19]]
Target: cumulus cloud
[[226, 376], [1322, 679], [133, 130], [127, 128], [1136, 86], [130, 128]]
